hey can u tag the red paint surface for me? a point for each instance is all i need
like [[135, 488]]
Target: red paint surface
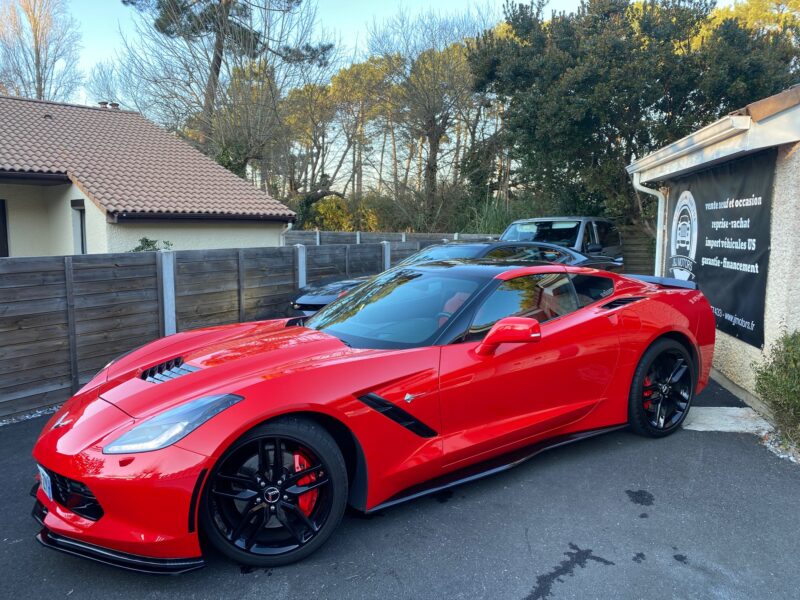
[[576, 377]]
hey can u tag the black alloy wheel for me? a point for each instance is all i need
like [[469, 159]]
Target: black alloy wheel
[[276, 495], [662, 389]]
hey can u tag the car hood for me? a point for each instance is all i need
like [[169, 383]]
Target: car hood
[[214, 361], [327, 292]]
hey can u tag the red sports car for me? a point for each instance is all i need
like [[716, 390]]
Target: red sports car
[[257, 435]]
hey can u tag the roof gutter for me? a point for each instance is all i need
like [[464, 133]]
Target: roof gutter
[[118, 217], [662, 203]]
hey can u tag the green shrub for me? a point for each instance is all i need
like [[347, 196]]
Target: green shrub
[[778, 384], [148, 245]]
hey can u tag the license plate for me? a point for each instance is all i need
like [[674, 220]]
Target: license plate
[[46, 483]]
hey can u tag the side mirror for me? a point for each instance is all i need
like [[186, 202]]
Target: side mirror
[[594, 248], [511, 330]]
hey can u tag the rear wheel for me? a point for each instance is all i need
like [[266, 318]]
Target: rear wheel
[[276, 495], [662, 389]]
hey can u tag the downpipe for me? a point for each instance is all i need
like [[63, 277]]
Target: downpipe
[[662, 203]]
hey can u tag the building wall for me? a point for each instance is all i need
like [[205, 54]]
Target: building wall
[[41, 223], [40, 218], [96, 229], [734, 358], [195, 235]]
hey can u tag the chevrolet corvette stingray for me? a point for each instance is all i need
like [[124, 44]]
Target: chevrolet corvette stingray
[[252, 438]]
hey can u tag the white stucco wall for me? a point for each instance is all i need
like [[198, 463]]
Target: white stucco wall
[[195, 235], [40, 218], [41, 223], [733, 358]]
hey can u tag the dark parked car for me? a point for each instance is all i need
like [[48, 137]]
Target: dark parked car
[[314, 297], [589, 235]]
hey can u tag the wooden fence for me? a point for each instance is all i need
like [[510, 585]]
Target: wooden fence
[[62, 318], [323, 238], [639, 250]]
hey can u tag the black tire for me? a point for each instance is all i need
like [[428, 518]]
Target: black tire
[[282, 536], [653, 409]]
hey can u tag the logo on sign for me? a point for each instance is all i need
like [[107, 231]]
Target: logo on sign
[[683, 241]]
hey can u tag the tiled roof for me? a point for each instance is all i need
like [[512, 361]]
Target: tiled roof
[[123, 162]]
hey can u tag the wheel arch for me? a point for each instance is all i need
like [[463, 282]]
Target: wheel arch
[[351, 450], [685, 341]]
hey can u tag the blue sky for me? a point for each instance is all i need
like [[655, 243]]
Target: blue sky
[[101, 21]]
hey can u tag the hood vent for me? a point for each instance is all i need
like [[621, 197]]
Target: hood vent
[[167, 371], [621, 302]]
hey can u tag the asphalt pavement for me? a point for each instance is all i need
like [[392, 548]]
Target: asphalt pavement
[[696, 515]]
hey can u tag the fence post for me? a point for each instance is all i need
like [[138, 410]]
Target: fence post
[[387, 254], [455, 236], [317, 236], [358, 237], [71, 333], [165, 264], [347, 260], [300, 263], [240, 263], [403, 237]]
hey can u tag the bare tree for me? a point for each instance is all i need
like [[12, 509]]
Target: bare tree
[[39, 49], [193, 59], [104, 85], [432, 84]]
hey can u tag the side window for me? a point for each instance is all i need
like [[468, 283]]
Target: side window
[[607, 234], [542, 297], [591, 288]]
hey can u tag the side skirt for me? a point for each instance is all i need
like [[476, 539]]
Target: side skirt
[[489, 467]]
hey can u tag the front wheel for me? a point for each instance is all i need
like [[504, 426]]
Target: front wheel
[[662, 389], [276, 495]]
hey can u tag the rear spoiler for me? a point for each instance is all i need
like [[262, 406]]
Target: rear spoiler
[[666, 281]]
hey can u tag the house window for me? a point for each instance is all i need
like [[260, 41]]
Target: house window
[[3, 229], [79, 226]]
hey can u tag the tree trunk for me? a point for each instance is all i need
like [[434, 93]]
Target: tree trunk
[[380, 163], [212, 83], [395, 180], [431, 170], [359, 174], [457, 154]]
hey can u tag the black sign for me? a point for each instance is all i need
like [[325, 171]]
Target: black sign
[[719, 237]]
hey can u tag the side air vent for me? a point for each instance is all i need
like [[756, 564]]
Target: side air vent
[[167, 371], [616, 303]]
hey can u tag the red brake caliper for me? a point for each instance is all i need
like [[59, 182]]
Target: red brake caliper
[[307, 501], [647, 393]]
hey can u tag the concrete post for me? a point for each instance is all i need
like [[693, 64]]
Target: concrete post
[[358, 237], [403, 237], [387, 255], [300, 264], [166, 263], [317, 232]]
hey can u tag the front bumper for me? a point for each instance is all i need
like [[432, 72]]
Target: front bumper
[[115, 558], [149, 508]]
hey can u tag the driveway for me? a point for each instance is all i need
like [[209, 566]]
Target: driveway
[[696, 515]]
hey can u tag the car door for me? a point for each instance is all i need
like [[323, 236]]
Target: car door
[[523, 391]]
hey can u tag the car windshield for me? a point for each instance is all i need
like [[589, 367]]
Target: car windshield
[[562, 233], [401, 308], [448, 252]]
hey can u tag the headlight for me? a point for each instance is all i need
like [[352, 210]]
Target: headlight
[[169, 427]]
